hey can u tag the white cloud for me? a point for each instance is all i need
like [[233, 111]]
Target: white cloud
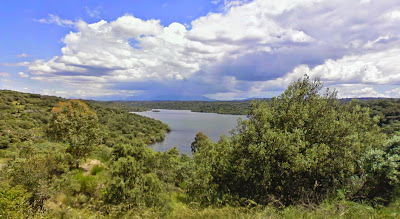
[[22, 55], [342, 42], [160, 51], [23, 75], [250, 24], [54, 19], [16, 64], [392, 16], [356, 91], [352, 76], [372, 68], [365, 1], [393, 92]]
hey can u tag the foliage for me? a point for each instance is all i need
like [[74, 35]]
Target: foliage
[[305, 152], [208, 181], [300, 147], [43, 167], [198, 142], [74, 123], [221, 107], [14, 201], [132, 182], [381, 172], [388, 111], [34, 168], [23, 116]]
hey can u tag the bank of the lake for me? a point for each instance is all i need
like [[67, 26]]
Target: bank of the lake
[[185, 124]]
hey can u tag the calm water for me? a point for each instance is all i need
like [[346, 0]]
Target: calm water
[[185, 124]]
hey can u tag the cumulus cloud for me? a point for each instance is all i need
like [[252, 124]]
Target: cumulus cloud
[[393, 92], [250, 49], [372, 68], [357, 91], [131, 49], [54, 19], [392, 16], [351, 75], [23, 75]]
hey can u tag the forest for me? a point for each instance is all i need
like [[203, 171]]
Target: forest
[[302, 154], [387, 109], [221, 107]]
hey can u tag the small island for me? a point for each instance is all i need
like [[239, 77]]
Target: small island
[[155, 111]]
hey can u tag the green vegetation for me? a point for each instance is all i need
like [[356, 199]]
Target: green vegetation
[[302, 154], [388, 111], [301, 147], [74, 123], [221, 107]]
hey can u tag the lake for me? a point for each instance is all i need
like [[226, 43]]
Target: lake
[[185, 124]]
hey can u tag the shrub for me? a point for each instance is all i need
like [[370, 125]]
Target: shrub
[[300, 147]]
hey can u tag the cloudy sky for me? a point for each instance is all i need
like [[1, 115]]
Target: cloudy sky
[[203, 49]]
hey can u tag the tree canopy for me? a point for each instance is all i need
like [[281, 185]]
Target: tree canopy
[[75, 123], [300, 146]]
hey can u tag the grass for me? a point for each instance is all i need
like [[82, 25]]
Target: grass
[[333, 209], [181, 210]]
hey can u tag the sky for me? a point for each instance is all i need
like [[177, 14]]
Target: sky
[[198, 50]]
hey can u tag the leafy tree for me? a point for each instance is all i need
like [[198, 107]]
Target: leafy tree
[[199, 140], [207, 183], [4, 142], [302, 146], [14, 201], [388, 111], [73, 122], [35, 169], [381, 172], [132, 183]]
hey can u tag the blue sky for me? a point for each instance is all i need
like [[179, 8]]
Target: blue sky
[[25, 35], [222, 50]]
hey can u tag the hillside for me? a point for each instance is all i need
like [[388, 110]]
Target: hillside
[[300, 154], [24, 117]]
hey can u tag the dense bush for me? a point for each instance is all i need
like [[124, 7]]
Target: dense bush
[[74, 123], [301, 147], [14, 201], [381, 174]]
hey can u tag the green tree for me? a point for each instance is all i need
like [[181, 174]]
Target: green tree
[[35, 169], [300, 147], [209, 176], [132, 183], [74, 123], [381, 172], [199, 140], [14, 201]]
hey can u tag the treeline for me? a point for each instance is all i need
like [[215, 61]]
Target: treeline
[[57, 154], [24, 116], [388, 109], [301, 154], [221, 107]]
